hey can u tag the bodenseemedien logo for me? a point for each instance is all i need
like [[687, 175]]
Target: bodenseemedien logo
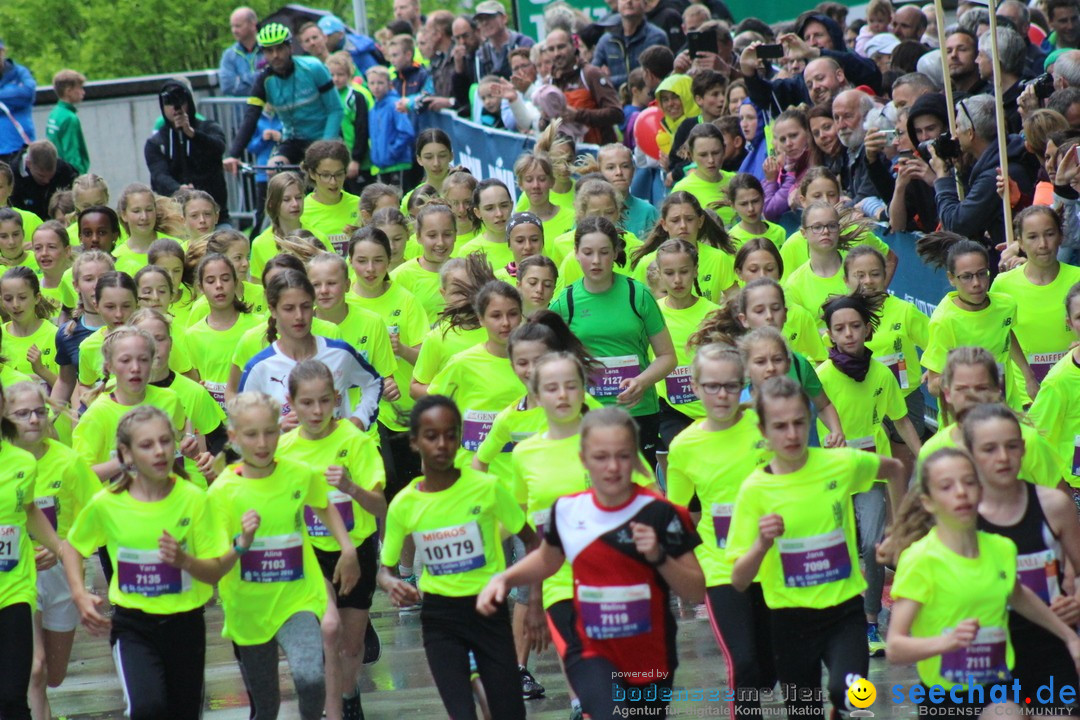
[[861, 694]]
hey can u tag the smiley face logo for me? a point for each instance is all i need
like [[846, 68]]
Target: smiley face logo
[[862, 693]]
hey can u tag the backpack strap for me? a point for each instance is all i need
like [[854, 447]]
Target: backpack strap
[[569, 304], [633, 298]]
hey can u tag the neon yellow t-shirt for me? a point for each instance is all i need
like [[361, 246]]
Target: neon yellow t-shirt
[[1056, 413], [1041, 464], [212, 350], [773, 232], [542, 471], [989, 328], [482, 385], [92, 361], [404, 315], [570, 269], [517, 423], [94, 438], [716, 272], [796, 252], [15, 347], [815, 564], [278, 576], [31, 222], [253, 341], [65, 485], [354, 450], [806, 288], [264, 247], [863, 406], [331, 220], [440, 345], [129, 261], [130, 529], [562, 199], [423, 284], [498, 253], [563, 221], [367, 333], [18, 576], [951, 588], [675, 388], [901, 329], [695, 466], [1043, 337], [63, 295], [708, 193], [254, 296], [456, 531], [801, 331]]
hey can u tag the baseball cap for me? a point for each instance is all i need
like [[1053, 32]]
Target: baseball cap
[[883, 43], [490, 7], [331, 24]]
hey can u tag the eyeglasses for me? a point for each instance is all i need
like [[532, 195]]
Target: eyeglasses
[[327, 177], [822, 228], [968, 277], [24, 415], [731, 388]]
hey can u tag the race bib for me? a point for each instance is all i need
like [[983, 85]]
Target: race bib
[[721, 522], [142, 572], [1039, 572], [49, 506], [864, 443], [477, 425], [1042, 362], [340, 242], [342, 502], [898, 365], [980, 663], [540, 520], [815, 560], [278, 558], [451, 550], [607, 382], [9, 547], [217, 391], [1076, 455], [678, 387], [617, 611]]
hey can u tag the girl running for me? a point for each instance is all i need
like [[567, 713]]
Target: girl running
[[434, 154], [236, 248], [99, 228], [561, 150], [628, 549], [525, 236], [29, 338], [329, 210], [377, 196], [1056, 411], [200, 214], [707, 181], [137, 209], [615, 162], [536, 278], [740, 620], [457, 190], [277, 596], [285, 208], [492, 205], [682, 217], [954, 586], [396, 227], [155, 287], [794, 530], [436, 232], [536, 177], [446, 503], [594, 198], [85, 271], [170, 256], [747, 198], [165, 552], [811, 284], [619, 322], [52, 253], [350, 463], [13, 241]]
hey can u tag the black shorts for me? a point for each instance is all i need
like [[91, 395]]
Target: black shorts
[[916, 406], [293, 149], [368, 556]]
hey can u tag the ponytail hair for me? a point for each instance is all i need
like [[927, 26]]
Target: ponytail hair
[[115, 279], [286, 280], [867, 306], [248, 400], [712, 230], [716, 352], [549, 328], [108, 348], [941, 249], [44, 308], [139, 416], [723, 325], [597, 224], [478, 274]]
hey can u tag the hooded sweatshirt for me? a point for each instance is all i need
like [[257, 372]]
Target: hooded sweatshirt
[[680, 85], [174, 159]]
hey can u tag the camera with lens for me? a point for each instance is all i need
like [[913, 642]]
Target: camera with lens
[[174, 97], [946, 147], [1044, 85]]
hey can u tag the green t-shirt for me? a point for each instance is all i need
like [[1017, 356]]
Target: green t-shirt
[[615, 326]]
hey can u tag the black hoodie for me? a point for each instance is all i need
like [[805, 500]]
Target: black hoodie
[[174, 159]]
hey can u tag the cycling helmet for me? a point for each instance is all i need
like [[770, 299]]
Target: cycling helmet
[[273, 34]]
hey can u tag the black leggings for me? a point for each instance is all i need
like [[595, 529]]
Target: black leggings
[[16, 657], [740, 622], [160, 660], [401, 462], [804, 638], [603, 695], [649, 430], [451, 627]]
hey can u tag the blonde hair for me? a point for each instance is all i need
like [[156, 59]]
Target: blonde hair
[[377, 71], [87, 183], [342, 61], [252, 399], [716, 352], [612, 416]]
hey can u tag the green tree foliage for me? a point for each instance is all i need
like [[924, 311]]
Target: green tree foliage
[[121, 38]]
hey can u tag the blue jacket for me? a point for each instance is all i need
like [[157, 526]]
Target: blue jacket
[[619, 54], [237, 70], [392, 134], [363, 51], [17, 89]]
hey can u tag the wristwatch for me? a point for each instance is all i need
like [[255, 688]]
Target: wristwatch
[[660, 560], [236, 545]]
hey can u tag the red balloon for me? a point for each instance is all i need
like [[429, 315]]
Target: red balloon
[[646, 127]]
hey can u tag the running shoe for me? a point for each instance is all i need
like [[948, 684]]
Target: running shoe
[[351, 708], [372, 645], [577, 713], [873, 639], [530, 688]]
